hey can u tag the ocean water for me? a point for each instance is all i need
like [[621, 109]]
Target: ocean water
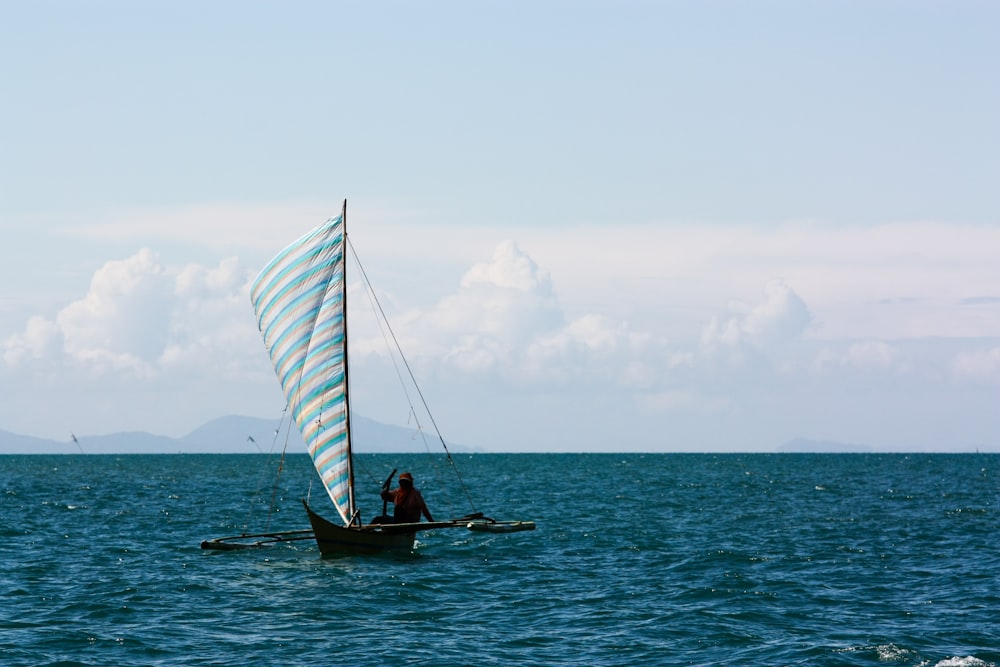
[[637, 560]]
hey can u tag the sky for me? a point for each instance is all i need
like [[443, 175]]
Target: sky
[[594, 226]]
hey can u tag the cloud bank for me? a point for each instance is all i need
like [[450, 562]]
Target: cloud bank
[[163, 347]]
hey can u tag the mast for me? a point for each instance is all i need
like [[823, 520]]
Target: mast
[[352, 511]]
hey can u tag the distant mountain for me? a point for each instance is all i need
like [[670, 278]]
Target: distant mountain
[[225, 435], [804, 445], [12, 443]]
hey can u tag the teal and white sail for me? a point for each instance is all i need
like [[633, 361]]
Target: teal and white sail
[[299, 299]]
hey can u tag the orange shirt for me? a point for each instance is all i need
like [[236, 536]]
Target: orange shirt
[[409, 505]]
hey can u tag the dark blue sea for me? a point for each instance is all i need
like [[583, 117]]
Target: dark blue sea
[[665, 559]]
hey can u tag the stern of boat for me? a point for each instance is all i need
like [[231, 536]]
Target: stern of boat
[[334, 540]]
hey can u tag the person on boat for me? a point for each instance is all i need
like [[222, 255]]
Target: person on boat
[[409, 504]]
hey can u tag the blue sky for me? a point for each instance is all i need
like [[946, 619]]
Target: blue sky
[[658, 226]]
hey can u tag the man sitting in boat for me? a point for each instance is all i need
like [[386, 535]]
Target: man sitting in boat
[[409, 504]]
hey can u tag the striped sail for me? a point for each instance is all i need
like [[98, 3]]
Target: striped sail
[[299, 301]]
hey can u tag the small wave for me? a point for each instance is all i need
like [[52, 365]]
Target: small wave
[[884, 652], [893, 653], [967, 661]]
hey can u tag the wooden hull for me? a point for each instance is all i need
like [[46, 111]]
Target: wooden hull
[[340, 540]]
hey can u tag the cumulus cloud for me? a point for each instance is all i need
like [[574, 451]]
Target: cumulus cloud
[[872, 356], [41, 338], [504, 330], [505, 321], [122, 320], [781, 316], [510, 268], [507, 299], [139, 316], [225, 280]]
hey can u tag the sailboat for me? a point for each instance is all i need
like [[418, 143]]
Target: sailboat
[[300, 299]]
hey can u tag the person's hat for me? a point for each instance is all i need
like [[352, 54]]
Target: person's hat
[[405, 475]]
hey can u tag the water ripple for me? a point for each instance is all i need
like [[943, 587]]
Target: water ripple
[[638, 560]]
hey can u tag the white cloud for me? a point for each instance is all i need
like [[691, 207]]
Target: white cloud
[[781, 316], [899, 280], [870, 360], [873, 355], [41, 338], [145, 334], [536, 327], [510, 268], [212, 325], [124, 318], [505, 322], [978, 365], [507, 299], [885, 281], [141, 317], [196, 281]]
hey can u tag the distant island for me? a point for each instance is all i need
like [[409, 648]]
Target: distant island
[[251, 435], [806, 446], [225, 435]]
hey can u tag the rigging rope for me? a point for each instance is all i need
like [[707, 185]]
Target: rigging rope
[[383, 320], [260, 479], [277, 476]]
